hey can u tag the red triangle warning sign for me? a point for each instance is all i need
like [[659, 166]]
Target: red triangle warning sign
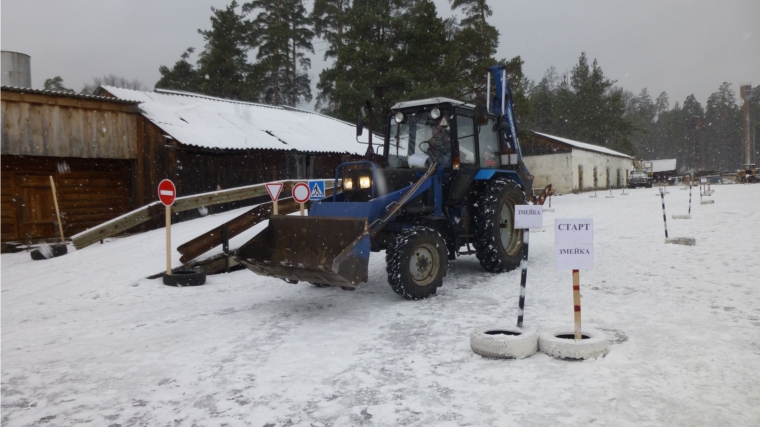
[[274, 189]]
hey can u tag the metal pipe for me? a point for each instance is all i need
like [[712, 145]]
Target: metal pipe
[[503, 91], [488, 91]]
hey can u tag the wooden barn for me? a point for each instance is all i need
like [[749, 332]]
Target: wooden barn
[[107, 153], [86, 143]]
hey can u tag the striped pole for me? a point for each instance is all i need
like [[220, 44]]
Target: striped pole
[[577, 303], [689, 197], [664, 218], [523, 277]]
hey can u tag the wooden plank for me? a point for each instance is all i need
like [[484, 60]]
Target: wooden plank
[[213, 238], [26, 132], [63, 101], [117, 225]]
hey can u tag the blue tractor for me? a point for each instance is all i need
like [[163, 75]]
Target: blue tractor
[[445, 185]]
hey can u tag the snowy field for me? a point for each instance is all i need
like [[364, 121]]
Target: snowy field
[[87, 340]]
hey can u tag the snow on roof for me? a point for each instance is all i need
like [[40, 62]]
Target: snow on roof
[[662, 165], [73, 95], [429, 101], [205, 121], [583, 145]]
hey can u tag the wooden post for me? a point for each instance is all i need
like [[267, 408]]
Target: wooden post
[[168, 240], [301, 208], [577, 303], [275, 211], [57, 212]]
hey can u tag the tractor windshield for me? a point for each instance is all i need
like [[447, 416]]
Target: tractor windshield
[[418, 140]]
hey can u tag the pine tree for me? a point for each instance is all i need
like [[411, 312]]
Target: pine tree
[[223, 65], [281, 33], [723, 131], [56, 84], [330, 21], [473, 47], [183, 76]]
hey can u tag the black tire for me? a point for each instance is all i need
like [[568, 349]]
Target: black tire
[[185, 278], [416, 263], [499, 245], [320, 285], [49, 251]]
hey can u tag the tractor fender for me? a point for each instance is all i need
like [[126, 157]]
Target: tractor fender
[[489, 174]]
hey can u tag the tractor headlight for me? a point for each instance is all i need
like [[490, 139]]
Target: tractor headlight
[[399, 117], [348, 184], [364, 182], [435, 113]]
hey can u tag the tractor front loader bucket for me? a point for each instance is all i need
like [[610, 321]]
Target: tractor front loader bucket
[[325, 250]]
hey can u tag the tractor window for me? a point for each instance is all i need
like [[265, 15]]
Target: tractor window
[[466, 137], [419, 140], [399, 146], [488, 139]]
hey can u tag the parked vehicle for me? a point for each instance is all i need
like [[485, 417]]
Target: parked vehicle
[[639, 178]]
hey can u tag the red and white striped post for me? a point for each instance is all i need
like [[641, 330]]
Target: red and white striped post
[[577, 303]]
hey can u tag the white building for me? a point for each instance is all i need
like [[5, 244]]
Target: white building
[[572, 165]]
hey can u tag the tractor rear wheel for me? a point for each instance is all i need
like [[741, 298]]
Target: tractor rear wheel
[[499, 244], [416, 263]]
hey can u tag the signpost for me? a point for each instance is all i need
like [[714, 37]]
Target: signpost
[[526, 217], [274, 189], [317, 189], [167, 192], [301, 194], [574, 250]]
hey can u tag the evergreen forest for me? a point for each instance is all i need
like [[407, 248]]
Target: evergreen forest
[[386, 51]]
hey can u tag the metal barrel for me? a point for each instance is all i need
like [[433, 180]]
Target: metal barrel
[[326, 250]]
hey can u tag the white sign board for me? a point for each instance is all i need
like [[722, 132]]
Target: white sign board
[[703, 180], [574, 243], [529, 216]]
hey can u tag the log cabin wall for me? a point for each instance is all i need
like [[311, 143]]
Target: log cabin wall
[[89, 191], [88, 144]]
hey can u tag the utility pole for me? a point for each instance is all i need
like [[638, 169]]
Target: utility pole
[[746, 93], [696, 123]]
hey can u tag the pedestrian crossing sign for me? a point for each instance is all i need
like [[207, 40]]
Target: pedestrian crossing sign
[[317, 190]]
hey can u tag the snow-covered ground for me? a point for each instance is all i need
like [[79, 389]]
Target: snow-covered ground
[[86, 339]]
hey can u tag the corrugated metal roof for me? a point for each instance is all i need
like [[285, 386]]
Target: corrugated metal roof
[[582, 145], [205, 121], [66, 94], [662, 165]]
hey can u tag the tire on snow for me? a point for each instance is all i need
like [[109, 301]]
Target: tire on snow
[[416, 263], [499, 245], [504, 342], [559, 343], [185, 278]]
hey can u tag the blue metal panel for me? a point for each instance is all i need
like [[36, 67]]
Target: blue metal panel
[[370, 210], [438, 193]]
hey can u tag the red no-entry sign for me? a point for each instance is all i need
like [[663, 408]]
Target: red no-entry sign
[[167, 192]]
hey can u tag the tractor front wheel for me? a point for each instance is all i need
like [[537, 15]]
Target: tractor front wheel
[[499, 244], [416, 263]]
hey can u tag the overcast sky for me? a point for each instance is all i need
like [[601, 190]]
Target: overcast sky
[[679, 46]]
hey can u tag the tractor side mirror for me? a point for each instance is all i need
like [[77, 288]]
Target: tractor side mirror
[[481, 115], [359, 127]]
